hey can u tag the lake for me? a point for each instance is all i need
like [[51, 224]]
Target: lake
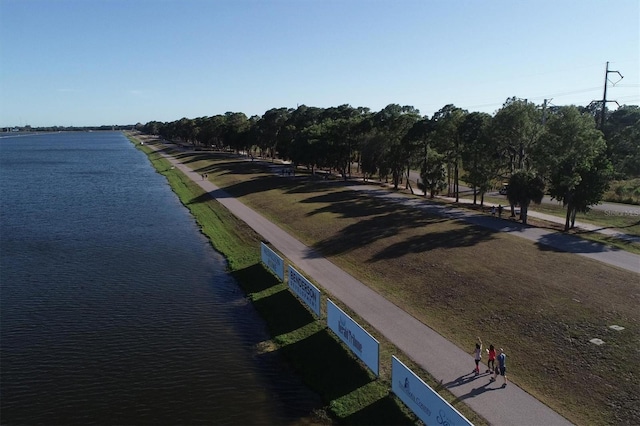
[[114, 308]]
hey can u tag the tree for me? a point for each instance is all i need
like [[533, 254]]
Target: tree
[[525, 187], [270, 126], [188, 131], [575, 160], [622, 133], [478, 154], [516, 127], [394, 121], [291, 139], [235, 124], [343, 128], [420, 136], [433, 173], [373, 145], [212, 131], [447, 141], [311, 148]]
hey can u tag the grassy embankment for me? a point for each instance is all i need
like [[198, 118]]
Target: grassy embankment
[[542, 305], [352, 394]]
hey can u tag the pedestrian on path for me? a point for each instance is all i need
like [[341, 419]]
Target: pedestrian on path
[[477, 353], [502, 366], [500, 210], [493, 210], [491, 363]]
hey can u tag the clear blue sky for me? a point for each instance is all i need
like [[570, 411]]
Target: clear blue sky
[[95, 62]]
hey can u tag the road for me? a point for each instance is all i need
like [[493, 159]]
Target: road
[[611, 208]]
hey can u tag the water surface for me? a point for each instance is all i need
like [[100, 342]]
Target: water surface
[[114, 308]]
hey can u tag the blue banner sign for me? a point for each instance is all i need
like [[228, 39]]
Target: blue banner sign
[[355, 337], [304, 290], [421, 399], [273, 261]]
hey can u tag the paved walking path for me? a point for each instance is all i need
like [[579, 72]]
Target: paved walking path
[[569, 243], [441, 358], [555, 219]]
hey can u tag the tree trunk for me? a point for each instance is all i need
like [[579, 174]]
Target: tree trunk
[[455, 183], [524, 212], [567, 217], [408, 184]]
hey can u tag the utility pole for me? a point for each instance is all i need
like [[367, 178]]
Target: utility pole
[[544, 111], [604, 96]]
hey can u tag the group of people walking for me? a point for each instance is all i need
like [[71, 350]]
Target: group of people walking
[[500, 369]]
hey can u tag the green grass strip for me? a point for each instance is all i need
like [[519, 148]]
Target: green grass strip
[[352, 394]]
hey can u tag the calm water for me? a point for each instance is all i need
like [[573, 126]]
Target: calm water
[[114, 309]]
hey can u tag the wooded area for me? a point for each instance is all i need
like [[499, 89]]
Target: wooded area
[[537, 149]]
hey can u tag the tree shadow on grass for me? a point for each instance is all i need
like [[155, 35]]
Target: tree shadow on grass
[[379, 227], [217, 194], [463, 237], [385, 411], [336, 371], [283, 312], [350, 203], [234, 168]]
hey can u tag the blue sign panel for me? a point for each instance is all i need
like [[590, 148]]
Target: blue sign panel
[[355, 337], [273, 261], [304, 290], [421, 399]]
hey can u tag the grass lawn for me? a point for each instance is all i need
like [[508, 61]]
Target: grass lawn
[[541, 305]]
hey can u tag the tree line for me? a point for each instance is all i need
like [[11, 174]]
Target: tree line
[[535, 148]]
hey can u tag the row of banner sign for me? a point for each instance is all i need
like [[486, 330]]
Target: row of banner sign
[[411, 389]]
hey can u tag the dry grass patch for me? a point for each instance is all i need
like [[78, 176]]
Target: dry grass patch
[[542, 306]]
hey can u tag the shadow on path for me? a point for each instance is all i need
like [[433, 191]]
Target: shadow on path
[[477, 391], [462, 380], [571, 244]]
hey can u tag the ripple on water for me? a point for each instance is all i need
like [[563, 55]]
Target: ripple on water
[[114, 309]]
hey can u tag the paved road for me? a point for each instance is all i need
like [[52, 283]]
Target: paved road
[[569, 243], [611, 208], [441, 358]]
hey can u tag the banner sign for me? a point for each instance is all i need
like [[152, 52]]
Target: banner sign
[[355, 337], [304, 290], [421, 399], [273, 261]]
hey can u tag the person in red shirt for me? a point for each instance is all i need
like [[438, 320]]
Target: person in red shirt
[[491, 362]]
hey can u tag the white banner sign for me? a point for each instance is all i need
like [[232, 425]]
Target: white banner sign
[[421, 399], [359, 341], [305, 290], [273, 261]]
